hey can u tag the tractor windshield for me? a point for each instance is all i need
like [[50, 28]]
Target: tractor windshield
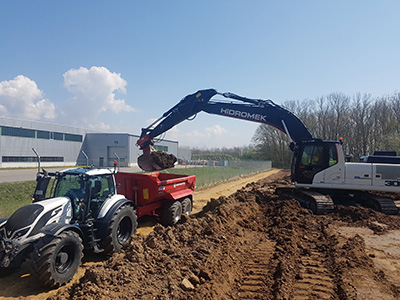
[[101, 188], [87, 193], [70, 183]]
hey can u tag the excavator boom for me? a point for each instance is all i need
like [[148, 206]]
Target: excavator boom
[[255, 110]]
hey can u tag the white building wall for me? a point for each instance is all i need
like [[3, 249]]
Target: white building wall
[[99, 147], [16, 146]]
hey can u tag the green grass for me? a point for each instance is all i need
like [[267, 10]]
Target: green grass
[[15, 195], [207, 176]]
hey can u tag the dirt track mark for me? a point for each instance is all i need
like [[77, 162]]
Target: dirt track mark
[[302, 264], [314, 279], [253, 283]]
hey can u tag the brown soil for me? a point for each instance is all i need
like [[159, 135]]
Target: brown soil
[[253, 245], [163, 159]]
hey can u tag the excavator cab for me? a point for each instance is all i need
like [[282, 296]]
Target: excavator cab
[[311, 157]]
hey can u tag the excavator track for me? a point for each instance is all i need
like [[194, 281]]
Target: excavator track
[[321, 203], [318, 203], [387, 206], [379, 203]]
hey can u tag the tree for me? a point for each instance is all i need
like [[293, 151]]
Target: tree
[[366, 124]]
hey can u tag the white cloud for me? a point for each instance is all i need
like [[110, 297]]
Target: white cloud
[[94, 92], [150, 121], [100, 127], [3, 110], [21, 98], [213, 135], [216, 130]]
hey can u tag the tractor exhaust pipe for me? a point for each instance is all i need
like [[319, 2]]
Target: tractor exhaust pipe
[[87, 158], [38, 159]]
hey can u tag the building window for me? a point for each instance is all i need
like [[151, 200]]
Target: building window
[[161, 148], [32, 159], [73, 137], [20, 132], [58, 136], [43, 134], [39, 134]]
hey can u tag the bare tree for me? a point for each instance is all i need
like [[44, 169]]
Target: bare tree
[[360, 114], [339, 105], [365, 123]]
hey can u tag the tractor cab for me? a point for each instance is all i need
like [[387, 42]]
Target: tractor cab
[[87, 189]]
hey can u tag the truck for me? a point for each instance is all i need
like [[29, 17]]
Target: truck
[[87, 208], [319, 169]]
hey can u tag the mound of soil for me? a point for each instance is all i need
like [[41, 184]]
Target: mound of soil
[[163, 159], [251, 245]]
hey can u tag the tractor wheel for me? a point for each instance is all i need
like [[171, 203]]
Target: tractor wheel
[[186, 206], [55, 259], [171, 214], [122, 226], [5, 271], [313, 206]]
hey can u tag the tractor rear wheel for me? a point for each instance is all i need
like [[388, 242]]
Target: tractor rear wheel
[[122, 226], [55, 259]]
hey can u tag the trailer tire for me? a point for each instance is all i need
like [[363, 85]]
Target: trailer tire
[[186, 206], [172, 213], [122, 226], [55, 259]]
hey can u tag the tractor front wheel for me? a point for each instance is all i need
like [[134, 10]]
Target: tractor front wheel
[[55, 259]]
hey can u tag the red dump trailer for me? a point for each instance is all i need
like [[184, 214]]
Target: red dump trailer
[[167, 196]]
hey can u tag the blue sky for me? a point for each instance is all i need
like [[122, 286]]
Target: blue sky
[[116, 65]]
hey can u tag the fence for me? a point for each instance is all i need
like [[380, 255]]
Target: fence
[[213, 173]]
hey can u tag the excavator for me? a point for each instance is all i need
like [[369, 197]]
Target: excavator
[[319, 170]]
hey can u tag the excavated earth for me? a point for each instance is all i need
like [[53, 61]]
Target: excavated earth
[[254, 244], [163, 159]]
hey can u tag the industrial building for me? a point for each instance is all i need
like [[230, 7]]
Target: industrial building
[[102, 149], [63, 145]]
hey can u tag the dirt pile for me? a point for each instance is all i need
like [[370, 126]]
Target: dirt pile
[[163, 159], [251, 245]]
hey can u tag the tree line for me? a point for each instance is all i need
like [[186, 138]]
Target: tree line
[[365, 123]]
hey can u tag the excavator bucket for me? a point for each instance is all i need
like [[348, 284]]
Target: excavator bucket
[[146, 163], [156, 160]]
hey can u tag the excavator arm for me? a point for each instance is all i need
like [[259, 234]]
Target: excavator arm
[[255, 110]]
